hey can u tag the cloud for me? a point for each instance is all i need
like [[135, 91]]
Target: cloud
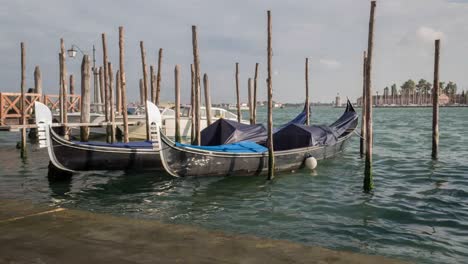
[[429, 34], [330, 64]]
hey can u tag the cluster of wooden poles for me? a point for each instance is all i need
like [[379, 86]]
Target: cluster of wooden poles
[[366, 142]]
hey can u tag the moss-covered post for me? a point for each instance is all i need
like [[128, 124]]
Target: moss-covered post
[[435, 103], [363, 105], [177, 102], [307, 90], [368, 180], [22, 101], [271, 155], [255, 95], [239, 115]]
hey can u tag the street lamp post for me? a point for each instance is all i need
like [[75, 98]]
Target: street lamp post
[[97, 95]]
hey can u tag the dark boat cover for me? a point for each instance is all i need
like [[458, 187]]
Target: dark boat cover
[[129, 145], [225, 131], [299, 136]]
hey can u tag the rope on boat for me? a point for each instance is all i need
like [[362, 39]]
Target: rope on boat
[[359, 135]]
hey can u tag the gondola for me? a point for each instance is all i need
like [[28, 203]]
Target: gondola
[[295, 144], [72, 156]]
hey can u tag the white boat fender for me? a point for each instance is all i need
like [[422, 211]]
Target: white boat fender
[[311, 163]]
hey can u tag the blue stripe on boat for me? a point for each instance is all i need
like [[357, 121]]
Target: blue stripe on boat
[[239, 147]]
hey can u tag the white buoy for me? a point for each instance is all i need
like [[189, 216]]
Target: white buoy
[[311, 163]]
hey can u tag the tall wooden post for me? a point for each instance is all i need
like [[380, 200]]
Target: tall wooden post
[[363, 105], [145, 84], [111, 104], [435, 103], [101, 85], [255, 95], [123, 83], [271, 155], [177, 102], [192, 104], [72, 87], [250, 88], [64, 84], [158, 78], [100, 77], [196, 64], [37, 80], [106, 82], [206, 84], [152, 85], [22, 102], [118, 93], [85, 98], [307, 91], [239, 115], [368, 179], [142, 92]]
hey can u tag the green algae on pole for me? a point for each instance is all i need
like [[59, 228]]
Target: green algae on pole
[[307, 90], [255, 94], [23, 113], [271, 155], [363, 105], [237, 93], [435, 102], [177, 102], [368, 179], [85, 98]]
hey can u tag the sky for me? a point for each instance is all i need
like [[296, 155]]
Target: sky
[[332, 34]]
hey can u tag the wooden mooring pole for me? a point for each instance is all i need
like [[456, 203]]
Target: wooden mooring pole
[[142, 92], [250, 99], [118, 93], [307, 90], [152, 85], [85, 98], [368, 179], [123, 84], [239, 115], [177, 102], [363, 105], [37, 80], [101, 88], [72, 87], [64, 86], [271, 155], [22, 104], [158, 78], [111, 103], [196, 63], [145, 84], [435, 102], [255, 94], [206, 84], [106, 86], [192, 104]]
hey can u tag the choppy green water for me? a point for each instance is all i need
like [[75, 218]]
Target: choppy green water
[[418, 211]]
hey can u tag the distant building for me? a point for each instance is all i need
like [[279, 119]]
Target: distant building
[[443, 99], [337, 100]]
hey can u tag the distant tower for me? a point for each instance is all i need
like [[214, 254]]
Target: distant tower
[[337, 100]]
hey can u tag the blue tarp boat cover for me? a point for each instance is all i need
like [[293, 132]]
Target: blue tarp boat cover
[[239, 147], [130, 145], [299, 136], [225, 131]]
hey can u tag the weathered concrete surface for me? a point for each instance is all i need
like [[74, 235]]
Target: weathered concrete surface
[[41, 234]]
